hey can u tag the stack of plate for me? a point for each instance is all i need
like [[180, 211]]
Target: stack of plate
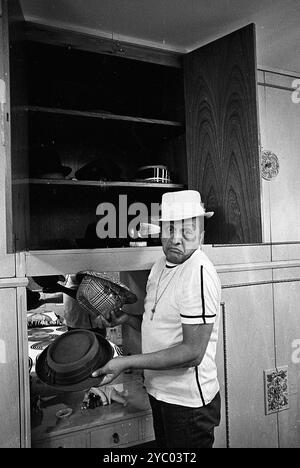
[[157, 173]]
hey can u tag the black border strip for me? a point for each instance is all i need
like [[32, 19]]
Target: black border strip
[[199, 386], [202, 296], [197, 316]]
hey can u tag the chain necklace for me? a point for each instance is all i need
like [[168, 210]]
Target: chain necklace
[[156, 292]]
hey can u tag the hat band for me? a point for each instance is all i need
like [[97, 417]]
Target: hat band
[[69, 378]]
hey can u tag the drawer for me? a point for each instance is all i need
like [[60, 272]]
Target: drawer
[[115, 435], [71, 441], [146, 428]]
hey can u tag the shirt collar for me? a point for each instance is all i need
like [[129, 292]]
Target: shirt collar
[[173, 265]]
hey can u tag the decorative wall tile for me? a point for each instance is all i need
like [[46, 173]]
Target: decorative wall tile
[[276, 389]]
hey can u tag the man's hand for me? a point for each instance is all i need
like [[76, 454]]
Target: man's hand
[[111, 370], [117, 317]]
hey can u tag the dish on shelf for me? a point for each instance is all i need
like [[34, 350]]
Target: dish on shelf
[[43, 338], [154, 173], [39, 331]]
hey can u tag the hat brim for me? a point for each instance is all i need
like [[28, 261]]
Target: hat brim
[[130, 297], [206, 214], [40, 369], [43, 172]]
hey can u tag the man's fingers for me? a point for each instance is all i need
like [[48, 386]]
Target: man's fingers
[[116, 396], [107, 379], [101, 322], [98, 372], [118, 317]]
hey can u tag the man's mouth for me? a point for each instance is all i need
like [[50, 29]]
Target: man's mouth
[[173, 249]]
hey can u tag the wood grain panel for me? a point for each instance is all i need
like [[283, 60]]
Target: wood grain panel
[[250, 351], [221, 436], [281, 136], [287, 336], [222, 135], [9, 381], [5, 185]]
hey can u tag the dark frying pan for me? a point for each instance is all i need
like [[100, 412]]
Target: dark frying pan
[[50, 285]]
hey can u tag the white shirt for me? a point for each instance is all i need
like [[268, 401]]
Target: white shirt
[[188, 293]]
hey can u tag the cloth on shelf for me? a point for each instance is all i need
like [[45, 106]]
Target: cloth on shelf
[[104, 396], [41, 319]]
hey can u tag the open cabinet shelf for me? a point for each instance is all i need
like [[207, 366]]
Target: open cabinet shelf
[[100, 183], [102, 115], [197, 118], [91, 108]]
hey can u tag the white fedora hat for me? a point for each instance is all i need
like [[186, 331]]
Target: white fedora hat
[[184, 204]]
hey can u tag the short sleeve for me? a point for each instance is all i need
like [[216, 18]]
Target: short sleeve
[[198, 301]]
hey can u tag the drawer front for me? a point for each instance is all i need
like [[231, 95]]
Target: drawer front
[[73, 441], [146, 428], [115, 435]]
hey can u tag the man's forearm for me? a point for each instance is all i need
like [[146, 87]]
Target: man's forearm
[[171, 358]]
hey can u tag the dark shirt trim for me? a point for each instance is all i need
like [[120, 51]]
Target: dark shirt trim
[[199, 386], [202, 295], [198, 316]]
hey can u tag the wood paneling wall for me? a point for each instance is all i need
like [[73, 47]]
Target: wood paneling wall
[[222, 136]]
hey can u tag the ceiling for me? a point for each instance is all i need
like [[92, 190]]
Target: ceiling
[[181, 25]]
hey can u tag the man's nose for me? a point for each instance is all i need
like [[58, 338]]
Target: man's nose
[[176, 237]]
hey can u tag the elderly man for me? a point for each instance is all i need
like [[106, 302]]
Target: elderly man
[[179, 330]]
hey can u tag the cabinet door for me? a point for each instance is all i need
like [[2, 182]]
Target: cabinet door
[[221, 432], [287, 335], [18, 227], [250, 351], [222, 136], [13, 117], [10, 433], [280, 120], [4, 149]]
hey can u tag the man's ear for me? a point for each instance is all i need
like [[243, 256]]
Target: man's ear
[[202, 238]]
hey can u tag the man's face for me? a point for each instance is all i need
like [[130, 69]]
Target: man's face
[[181, 238]]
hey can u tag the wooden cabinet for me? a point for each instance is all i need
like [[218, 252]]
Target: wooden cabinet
[[116, 435], [250, 351], [222, 136], [122, 108], [90, 98], [287, 335], [76, 440], [279, 122], [103, 427], [10, 434], [126, 433]]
